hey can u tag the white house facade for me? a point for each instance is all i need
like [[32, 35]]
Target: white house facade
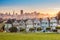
[[36, 24], [16, 24], [22, 24], [7, 26], [44, 24], [29, 24], [53, 23]]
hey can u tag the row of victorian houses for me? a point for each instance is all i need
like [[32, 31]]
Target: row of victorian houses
[[33, 23]]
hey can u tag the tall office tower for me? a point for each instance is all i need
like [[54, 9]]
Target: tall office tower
[[13, 12], [16, 14], [9, 13], [6, 13], [21, 12]]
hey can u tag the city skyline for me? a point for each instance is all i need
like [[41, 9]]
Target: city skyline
[[41, 6]]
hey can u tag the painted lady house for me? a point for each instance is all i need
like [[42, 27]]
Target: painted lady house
[[8, 25], [44, 24], [16, 24], [29, 25], [53, 23], [22, 25], [37, 25]]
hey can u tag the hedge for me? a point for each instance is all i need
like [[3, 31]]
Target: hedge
[[13, 29]]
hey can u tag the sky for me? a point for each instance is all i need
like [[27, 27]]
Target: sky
[[42, 6]]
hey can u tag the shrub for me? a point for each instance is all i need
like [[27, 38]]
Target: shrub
[[57, 27], [48, 28], [13, 29], [31, 29], [39, 28], [55, 30], [22, 29]]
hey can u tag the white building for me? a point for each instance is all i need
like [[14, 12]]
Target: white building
[[53, 23], [29, 24], [16, 24], [36, 24], [44, 24], [21, 24], [7, 26]]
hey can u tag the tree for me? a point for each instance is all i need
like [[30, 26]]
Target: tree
[[58, 15], [13, 29], [3, 28], [1, 20], [9, 21]]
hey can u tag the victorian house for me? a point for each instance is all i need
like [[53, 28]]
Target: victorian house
[[37, 24], [29, 24], [53, 23], [44, 24]]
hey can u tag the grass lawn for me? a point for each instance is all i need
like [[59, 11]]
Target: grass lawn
[[29, 36]]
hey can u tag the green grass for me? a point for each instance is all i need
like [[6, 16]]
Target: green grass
[[29, 36]]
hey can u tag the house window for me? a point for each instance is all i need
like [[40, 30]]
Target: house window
[[38, 24], [34, 23], [21, 24], [46, 22], [51, 23]]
